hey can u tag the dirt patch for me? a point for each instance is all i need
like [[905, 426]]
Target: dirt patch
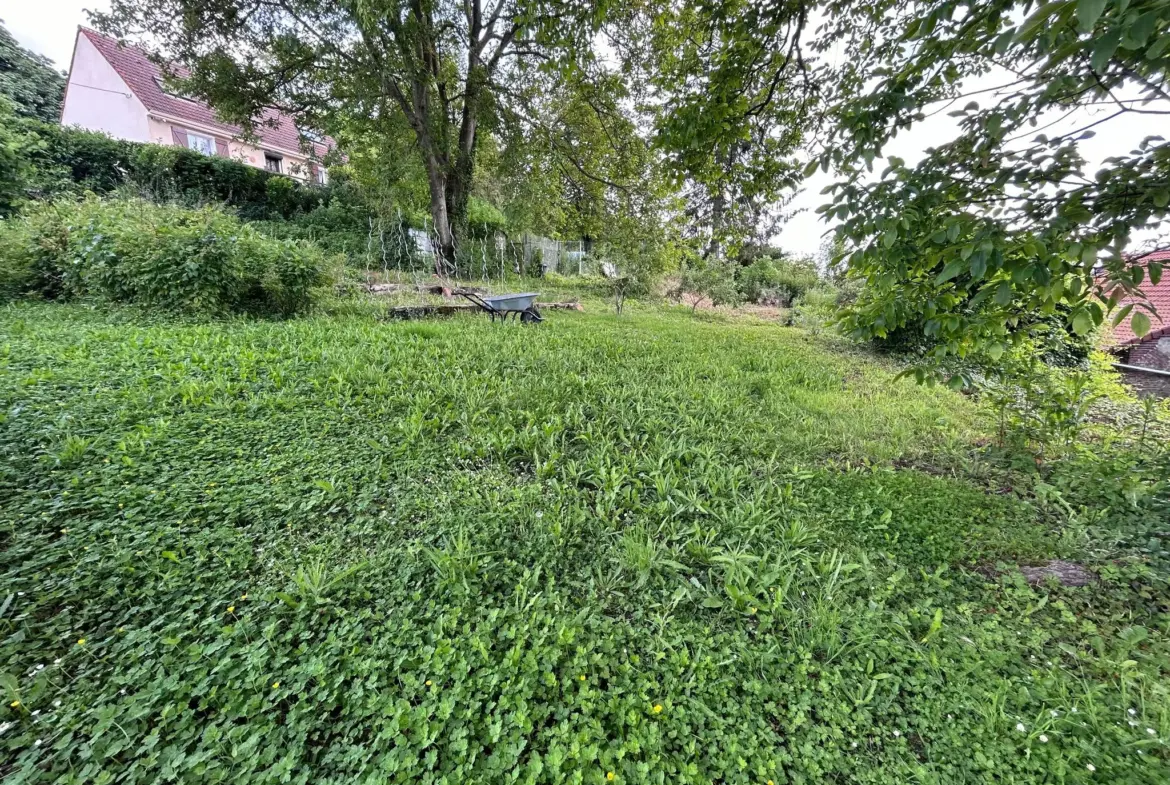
[[1065, 572]]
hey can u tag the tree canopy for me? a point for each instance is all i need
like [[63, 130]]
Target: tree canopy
[[429, 78], [29, 81], [1005, 224], [732, 99]]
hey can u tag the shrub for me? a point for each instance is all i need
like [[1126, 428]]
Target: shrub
[[15, 147], [816, 307], [775, 281], [708, 280], [484, 219], [160, 256]]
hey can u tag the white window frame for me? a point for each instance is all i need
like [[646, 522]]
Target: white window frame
[[279, 159], [200, 143]]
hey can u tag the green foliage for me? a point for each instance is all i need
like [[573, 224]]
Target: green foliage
[[159, 256], [50, 161], [712, 280], [775, 280], [817, 307], [29, 81], [71, 161], [1039, 405], [1005, 222], [344, 550], [484, 220], [15, 146]]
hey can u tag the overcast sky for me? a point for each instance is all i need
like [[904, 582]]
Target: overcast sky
[[49, 27]]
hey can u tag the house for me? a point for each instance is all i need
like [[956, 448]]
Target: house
[[116, 89], [1146, 359]]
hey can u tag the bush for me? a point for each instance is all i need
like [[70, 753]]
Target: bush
[[775, 281], [162, 256], [15, 148], [484, 219], [816, 307], [71, 161]]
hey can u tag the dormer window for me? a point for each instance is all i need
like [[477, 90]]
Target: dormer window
[[171, 91]]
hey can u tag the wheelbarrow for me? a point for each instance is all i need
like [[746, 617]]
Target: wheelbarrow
[[519, 306]]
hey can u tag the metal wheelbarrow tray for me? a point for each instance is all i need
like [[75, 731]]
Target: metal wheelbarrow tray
[[520, 306]]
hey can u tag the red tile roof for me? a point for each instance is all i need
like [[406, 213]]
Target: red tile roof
[[1157, 295], [274, 128]]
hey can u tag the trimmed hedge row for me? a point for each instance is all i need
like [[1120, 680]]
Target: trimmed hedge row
[[195, 261], [72, 161]]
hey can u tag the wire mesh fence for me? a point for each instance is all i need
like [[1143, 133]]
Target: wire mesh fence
[[396, 248]]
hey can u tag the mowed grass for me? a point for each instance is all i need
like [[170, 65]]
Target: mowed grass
[[647, 549]]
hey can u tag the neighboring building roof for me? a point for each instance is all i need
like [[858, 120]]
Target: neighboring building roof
[[274, 128], [1156, 295]]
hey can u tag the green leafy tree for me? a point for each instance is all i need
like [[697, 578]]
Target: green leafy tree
[[439, 66], [708, 279], [732, 99], [573, 162], [1004, 225], [16, 147], [29, 81]]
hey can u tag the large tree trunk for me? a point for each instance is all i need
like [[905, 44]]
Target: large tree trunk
[[463, 171], [442, 238]]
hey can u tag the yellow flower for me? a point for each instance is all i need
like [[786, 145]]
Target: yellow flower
[[81, 641], [754, 610], [581, 677], [428, 682], [231, 609], [770, 782], [244, 596], [657, 708], [275, 685], [609, 776], [15, 704]]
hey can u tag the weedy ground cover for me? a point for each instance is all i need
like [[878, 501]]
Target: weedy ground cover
[[645, 550]]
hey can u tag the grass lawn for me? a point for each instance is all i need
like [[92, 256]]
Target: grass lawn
[[642, 550]]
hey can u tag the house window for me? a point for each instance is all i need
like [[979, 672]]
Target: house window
[[272, 162], [202, 144], [319, 175]]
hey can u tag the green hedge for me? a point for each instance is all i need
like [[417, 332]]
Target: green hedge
[[53, 162], [73, 161], [199, 261]]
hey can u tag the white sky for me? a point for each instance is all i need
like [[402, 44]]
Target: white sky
[[49, 27]]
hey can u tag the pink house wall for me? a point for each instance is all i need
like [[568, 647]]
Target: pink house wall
[[294, 165], [97, 99]]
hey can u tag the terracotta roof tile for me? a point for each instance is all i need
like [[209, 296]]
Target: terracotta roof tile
[[1157, 295], [274, 128]]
